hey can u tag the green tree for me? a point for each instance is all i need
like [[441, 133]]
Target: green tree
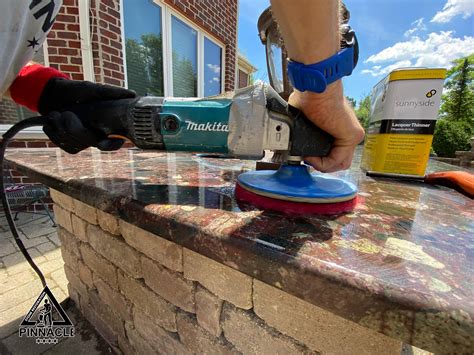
[[145, 64], [184, 77], [456, 125], [154, 53], [363, 111], [451, 136], [138, 79], [352, 101], [458, 102]]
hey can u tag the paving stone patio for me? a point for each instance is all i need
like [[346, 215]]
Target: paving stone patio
[[20, 287]]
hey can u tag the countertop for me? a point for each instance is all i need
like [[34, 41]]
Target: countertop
[[402, 263]]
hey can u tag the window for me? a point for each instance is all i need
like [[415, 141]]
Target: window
[[166, 55], [212, 68], [184, 58], [144, 47]]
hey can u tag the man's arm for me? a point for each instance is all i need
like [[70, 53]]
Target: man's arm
[[310, 30]]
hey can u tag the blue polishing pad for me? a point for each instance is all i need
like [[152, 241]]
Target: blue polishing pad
[[296, 183]]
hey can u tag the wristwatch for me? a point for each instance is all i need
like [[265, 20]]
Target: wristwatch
[[316, 77]]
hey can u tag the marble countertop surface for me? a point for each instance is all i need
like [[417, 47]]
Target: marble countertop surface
[[402, 263]]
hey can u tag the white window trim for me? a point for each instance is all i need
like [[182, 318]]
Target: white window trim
[[166, 21]]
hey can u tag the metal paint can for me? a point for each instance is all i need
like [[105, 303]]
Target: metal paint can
[[404, 109]]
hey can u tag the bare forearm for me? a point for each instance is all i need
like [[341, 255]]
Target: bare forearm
[[310, 28]]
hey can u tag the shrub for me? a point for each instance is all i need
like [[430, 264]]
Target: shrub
[[451, 136]]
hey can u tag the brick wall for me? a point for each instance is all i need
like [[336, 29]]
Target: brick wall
[[218, 17], [107, 42], [146, 295], [8, 114], [243, 79], [64, 45]]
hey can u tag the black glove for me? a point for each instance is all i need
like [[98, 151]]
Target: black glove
[[65, 129]]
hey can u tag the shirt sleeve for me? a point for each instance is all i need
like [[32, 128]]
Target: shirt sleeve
[[24, 25]]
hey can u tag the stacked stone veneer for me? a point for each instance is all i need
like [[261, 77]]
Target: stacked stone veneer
[[146, 295]]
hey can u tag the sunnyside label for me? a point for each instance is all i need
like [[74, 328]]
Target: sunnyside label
[[403, 116]]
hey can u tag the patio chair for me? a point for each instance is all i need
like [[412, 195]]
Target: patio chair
[[21, 196]]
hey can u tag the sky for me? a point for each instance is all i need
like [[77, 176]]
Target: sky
[[391, 33]]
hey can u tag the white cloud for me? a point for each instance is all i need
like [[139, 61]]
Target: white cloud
[[453, 8], [437, 50], [216, 79], [419, 26], [378, 70], [215, 68]]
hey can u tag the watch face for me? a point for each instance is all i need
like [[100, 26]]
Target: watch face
[[348, 39]]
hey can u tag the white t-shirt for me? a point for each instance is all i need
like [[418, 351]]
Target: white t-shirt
[[24, 25]]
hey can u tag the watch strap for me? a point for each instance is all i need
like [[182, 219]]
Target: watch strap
[[316, 77]]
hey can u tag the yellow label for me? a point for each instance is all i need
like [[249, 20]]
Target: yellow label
[[417, 74], [397, 153]]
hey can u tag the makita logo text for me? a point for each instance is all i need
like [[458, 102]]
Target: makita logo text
[[207, 127]]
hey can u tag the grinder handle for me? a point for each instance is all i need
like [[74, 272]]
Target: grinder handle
[[307, 139], [110, 117]]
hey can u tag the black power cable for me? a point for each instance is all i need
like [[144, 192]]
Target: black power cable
[[29, 122]]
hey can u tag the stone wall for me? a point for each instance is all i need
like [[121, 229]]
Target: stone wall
[[145, 294]]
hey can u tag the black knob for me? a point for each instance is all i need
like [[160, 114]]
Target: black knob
[[171, 124]]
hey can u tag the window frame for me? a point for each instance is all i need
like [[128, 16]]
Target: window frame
[[166, 29]]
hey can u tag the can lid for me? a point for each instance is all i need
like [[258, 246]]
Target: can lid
[[417, 73]]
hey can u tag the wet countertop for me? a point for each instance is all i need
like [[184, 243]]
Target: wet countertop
[[402, 263]]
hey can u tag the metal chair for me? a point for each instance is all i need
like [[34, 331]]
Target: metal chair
[[21, 196]]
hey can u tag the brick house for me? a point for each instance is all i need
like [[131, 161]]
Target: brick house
[[156, 47], [245, 69], [183, 48]]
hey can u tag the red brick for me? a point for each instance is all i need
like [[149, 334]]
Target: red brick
[[36, 144], [113, 81], [76, 60], [109, 34], [73, 27], [77, 76], [67, 35], [72, 10], [58, 26], [66, 18], [71, 68], [110, 50], [111, 66], [56, 43], [58, 59], [17, 144], [68, 51], [117, 45], [74, 44], [111, 19]]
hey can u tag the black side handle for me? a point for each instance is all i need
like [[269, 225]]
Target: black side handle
[[109, 117], [307, 139]]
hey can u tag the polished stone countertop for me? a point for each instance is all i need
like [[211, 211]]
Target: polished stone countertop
[[402, 263]]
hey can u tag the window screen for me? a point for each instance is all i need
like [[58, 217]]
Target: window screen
[[144, 47], [184, 51]]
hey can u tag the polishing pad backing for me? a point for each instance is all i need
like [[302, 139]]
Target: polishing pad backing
[[295, 183]]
